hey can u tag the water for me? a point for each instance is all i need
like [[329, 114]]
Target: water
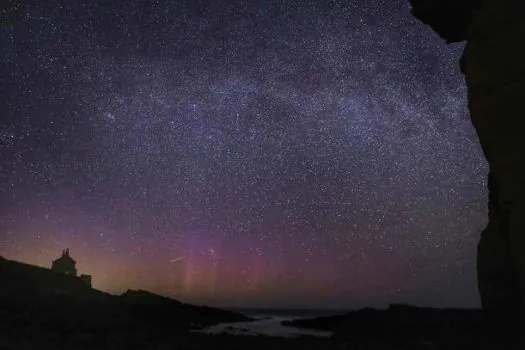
[[266, 324]]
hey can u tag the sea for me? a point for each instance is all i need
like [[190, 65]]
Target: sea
[[268, 322]]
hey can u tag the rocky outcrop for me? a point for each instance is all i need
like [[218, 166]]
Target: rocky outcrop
[[398, 321], [494, 68], [153, 308], [450, 19]]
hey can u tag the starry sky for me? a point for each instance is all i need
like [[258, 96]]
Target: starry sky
[[291, 153]]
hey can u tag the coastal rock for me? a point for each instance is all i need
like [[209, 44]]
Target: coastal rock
[[493, 64]]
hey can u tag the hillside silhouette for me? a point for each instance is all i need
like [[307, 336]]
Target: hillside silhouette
[[41, 307], [36, 300]]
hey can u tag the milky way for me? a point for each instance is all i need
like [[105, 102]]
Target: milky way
[[241, 153]]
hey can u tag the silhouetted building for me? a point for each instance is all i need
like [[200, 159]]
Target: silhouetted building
[[65, 264], [29, 283]]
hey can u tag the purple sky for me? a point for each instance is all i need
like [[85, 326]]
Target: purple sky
[[241, 153]]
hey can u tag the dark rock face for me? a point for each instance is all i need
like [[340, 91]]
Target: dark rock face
[[494, 68], [398, 320], [409, 327], [450, 19]]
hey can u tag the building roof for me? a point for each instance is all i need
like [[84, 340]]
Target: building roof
[[65, 257]]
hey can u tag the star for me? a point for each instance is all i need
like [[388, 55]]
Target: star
[[313, 148]]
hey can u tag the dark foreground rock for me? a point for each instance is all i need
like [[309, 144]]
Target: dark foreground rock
[[38, 306], [31, 292], [43, 311], [398, 320], [404, 325]]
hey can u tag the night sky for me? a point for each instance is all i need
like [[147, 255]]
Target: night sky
[[283, 153]]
